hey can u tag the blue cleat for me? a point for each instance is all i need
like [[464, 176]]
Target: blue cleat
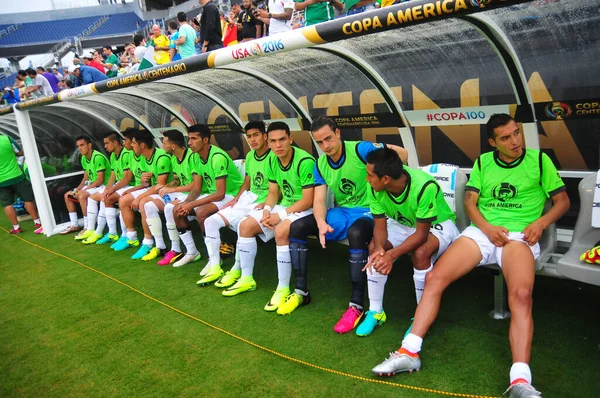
[[123, 244], [108, 238], [142, 251], [121, 238], [371, 321]]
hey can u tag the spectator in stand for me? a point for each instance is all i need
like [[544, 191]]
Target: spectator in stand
[[23, 83], [247, 22], [236, 7], [161, 46], [128, 56], [86, 75], [358, 6], [11, 96], [230, 33], [140, 47], [50, 77], [210, 27], [88, 60], [186, 42], [194, 23], [60, 77], [317, 11], [277, 16], [173, 53], [112, 62], [39, 83]]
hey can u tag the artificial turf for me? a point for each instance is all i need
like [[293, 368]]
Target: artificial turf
[[68, 331]]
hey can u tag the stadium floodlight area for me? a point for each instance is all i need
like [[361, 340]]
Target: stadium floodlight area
[[423, 74]]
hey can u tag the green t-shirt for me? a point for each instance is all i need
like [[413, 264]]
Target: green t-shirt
[[257, 169], [421, 201], [10, 172], [114, 61], [183, 169], [294, 177], [160, 164], [218, 165], [317, 13], [120, 164], [347, 178], [97, 163], [512, 195]]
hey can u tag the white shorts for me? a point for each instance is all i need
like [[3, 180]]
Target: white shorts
[[445, 232], [220, 203], [180, 196], [490, 253], [121, 191], [268, 234], [92, 191], [137, 193], [235, 214]]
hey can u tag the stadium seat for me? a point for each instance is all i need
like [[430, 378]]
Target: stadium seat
[[584, 238], [241, 166]]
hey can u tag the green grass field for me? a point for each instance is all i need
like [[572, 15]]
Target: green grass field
[[69, 331]]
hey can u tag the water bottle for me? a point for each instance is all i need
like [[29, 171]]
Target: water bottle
[[167, 198]]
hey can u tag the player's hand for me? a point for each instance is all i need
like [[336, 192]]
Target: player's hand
[[383, 262], [497, 235], [259, 206], [266, 214], [135, 205], [533, 232], [377, 252], [164, 190], [146, 176], [324, 228], [272, 221], [183, 209], [231, 203]]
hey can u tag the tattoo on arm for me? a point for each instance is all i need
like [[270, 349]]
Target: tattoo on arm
[[193, 195]]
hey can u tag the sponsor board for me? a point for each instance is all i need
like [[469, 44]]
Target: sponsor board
[[454, 116], [561, 110]]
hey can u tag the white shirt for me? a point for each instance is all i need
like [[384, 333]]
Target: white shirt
[[139, 53], [278, 7], [45, 87]]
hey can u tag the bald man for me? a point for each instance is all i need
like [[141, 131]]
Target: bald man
[[161, 46]]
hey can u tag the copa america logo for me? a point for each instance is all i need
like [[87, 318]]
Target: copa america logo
[[255, 49], [557, 110], [480, 3]]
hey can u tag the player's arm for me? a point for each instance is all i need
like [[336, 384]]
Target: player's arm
[[180, 39], [123, 182], [270, 202], [99, 179], [83, 180], [111, 180], [245, 187], [320, 212], [403, 153], [218, 195]]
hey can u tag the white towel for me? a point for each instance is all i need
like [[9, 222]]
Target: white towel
[[596, 203], [445, 175]]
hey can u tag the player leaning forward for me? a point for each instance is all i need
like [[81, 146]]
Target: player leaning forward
[[505, 198]]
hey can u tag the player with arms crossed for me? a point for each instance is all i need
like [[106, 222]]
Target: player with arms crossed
[[505, 198]]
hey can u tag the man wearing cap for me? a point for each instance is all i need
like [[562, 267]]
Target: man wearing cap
[[86, 75], [88, 60]]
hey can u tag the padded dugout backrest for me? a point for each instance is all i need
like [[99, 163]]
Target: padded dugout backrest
[[241, 166], [460, 182]]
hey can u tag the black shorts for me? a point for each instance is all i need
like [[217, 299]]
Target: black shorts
[[22, 189]]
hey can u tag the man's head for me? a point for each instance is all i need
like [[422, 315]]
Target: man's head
[[256, 134], [111, 141], [107, 50], [74, 70], [181, 17], [142, 141], [84, 144], [198, 137], [128, 137], [173, 26], [156, 30], [504, 135], [55, 71], [279, 138], [139, 40], [40, 70], [31, 72], [327, 135], [383, 167], [247, 3], [236, 7], [21, 75], [87, 58], [172, 140]]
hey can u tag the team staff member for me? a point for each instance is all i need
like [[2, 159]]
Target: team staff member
[[505, 198]]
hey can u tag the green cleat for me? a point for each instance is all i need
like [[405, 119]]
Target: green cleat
[[278, 298], [229, 278], [213, 274], [84, 234], [92, 239], [108, 238], [292, 302], [245, 284]]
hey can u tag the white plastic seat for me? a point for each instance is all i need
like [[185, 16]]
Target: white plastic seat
[[241, 166]]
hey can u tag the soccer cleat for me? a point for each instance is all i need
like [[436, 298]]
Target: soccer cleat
[[86, 233], [349, 320], [144, 250], [398, 362], [213, 274], [245, 284], [119, 242], [16, 231], [372, 319], [38, 229], [292, 302], [154, 254], [170, 258], [108, 238], [591, 256], [123, 244], [70, 229], [204, 270], [229, 278], [226, 250], [92, 239], [188, 258], [278, 298], [522, 390]]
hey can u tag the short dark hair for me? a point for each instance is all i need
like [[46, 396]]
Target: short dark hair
[[129, 132], [181, 16], [495, 121], [31, 71], [87, 139], [41, 68], [175, 136], [386, 162], [279, 126], [107, 48], [113, 136], [256, 124], [322, 121], [201, 129], [144, 137], [21, 72], [173, 25], [137, 40]]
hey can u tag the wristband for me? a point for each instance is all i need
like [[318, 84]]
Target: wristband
[[267, 208], [282, 214]]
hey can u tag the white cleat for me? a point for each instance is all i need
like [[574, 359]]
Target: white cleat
[[397, 363], [188, 258], [523, 390]]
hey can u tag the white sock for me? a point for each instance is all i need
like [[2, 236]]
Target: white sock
[[148, 241], [412, 343], [37, 221], [284, 266], [131, 235], [246, 249], [16, 226], [111, 220], [419, 278], [123, 226], [237, 265], [520, 370], [101, 219], [188, 241], [85, 222], [73, 218], [212, 239], [154, 224], [172, 228], [92, 213], [376, 287]]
